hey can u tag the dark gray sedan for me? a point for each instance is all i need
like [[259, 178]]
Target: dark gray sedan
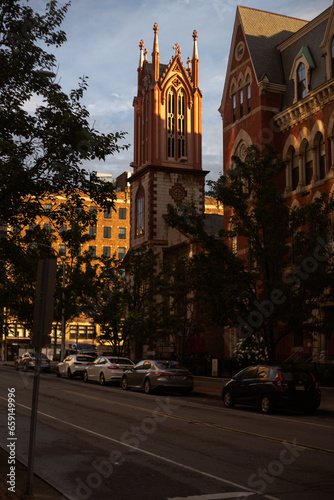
[[151, 375]]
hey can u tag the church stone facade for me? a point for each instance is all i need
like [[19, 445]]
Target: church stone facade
[[167, 166]]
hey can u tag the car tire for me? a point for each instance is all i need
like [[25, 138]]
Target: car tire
[[85, 377], [266, 404], [69, 373], [102, 380], [147, 386], [228, 400], [124, 384], [57, 372]]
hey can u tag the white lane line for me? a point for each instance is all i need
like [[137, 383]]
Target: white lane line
[[215, 496], [154, 455]]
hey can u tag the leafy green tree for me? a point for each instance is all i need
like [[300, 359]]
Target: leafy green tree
[[141, 289], [262, 291], [180, 322], [43, 148]]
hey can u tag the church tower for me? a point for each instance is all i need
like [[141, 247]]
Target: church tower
[[167, 166]]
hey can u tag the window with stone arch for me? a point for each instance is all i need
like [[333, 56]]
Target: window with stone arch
[[176, 124], [140, 208], [321, 167], [307, 162], [293, 169]]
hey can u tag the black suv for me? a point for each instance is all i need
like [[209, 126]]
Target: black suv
[[271, 387]]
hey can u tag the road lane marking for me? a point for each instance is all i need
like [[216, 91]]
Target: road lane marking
[[207, 424], [215, 496], [149, 453]]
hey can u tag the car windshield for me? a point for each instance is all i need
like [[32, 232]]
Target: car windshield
[[85, 346], [120, 361], [167, 365], [84, 358]]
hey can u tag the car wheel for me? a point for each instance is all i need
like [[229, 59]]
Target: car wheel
[[124, 384], [69, 374], [266, 404], [147, 386], [85, 377], [57, 372], [102, 379], [228, 400]]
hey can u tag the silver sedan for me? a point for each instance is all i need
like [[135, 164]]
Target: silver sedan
[[149, 375], [74, 364], [107, 369]]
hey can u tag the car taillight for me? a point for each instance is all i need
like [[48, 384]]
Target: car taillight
[[163, 374], [278, 381], [315, 381], [112, 367]]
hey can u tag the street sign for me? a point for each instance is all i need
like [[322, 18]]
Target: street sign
[[44, 302]]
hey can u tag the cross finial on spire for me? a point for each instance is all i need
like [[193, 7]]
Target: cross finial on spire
[[141, 60], [195, 37], [177, 49]]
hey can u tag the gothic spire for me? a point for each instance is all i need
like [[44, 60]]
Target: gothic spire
[[155, 55], [195, 62]]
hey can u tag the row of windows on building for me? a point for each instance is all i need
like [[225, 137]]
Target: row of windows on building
[[244, 102], [106, 251], [76, 331], [122, 212], [92, 230], [310, 164]]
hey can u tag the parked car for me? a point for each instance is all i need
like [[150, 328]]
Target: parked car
[[150, 375], [27, 361], [271, 387], [107, 369], [85, 349], [73, 365]]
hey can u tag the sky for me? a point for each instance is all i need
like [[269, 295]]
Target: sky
[[103, 43]]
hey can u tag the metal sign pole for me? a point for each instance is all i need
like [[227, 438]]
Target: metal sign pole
[[42, 324]]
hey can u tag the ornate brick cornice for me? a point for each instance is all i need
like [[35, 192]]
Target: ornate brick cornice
[[301, 110]]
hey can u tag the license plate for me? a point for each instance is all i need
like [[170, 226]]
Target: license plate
[[300, 388]]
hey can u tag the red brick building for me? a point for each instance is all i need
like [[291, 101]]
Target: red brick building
[[279, 89]]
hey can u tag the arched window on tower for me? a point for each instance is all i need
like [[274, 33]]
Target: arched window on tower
[[170, 124], [176, 124], [301, 81], [140, 207]]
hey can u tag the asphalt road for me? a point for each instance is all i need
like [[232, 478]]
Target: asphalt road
[[97, 442]]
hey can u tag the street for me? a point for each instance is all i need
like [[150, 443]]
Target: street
[[98, 442]]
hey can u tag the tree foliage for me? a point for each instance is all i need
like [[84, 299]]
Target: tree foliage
[[45, 141], [282, 274]]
